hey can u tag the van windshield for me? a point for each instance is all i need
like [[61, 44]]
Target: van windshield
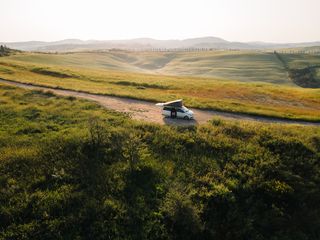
[[185, 109]]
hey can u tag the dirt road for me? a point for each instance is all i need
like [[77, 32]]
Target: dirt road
[[147, 111]]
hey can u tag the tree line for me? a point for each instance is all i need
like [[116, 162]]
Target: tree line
[[4, 51]]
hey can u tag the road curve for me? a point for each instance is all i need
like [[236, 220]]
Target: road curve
[[147, 111]]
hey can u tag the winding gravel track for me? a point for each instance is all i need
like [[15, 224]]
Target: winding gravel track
[[147, 111]]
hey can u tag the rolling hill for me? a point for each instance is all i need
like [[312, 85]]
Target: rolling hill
[[263, 87], [148, 43], [245, 66]]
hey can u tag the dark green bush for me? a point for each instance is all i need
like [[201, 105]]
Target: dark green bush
[[71, 170]]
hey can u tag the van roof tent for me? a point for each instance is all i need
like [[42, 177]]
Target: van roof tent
[[175, 103]]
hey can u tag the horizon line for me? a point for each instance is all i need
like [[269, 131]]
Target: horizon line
[[160, 39]]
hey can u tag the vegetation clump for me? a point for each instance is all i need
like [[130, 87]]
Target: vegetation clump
[[305, 77], [141, 85], [5, 51], [71, 170], [52, 73]]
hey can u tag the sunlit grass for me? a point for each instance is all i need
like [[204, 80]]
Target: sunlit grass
[[64, 161], [246, 66], [301, 60], [201, 92]]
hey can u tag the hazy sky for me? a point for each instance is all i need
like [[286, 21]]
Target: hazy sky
[[234, 20]]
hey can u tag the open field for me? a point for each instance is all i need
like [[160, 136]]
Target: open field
[[200, 92], [246, 66], [70, 169], [148, 112]]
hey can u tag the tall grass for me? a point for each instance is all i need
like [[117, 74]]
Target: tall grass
[[70, 169], [253, 98]]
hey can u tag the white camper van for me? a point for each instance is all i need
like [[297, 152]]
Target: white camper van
[[175, 109]]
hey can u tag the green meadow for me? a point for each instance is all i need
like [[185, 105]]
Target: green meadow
[[298, 61], [234, 81], [246, 66], [70, 169]]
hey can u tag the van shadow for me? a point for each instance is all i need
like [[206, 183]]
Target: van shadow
[[179, 121]]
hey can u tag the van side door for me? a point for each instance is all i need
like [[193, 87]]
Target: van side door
[[180, 113]]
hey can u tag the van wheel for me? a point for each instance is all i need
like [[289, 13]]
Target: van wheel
[[186, 118]]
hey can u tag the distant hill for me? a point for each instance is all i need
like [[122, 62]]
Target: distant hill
[[148, 43]]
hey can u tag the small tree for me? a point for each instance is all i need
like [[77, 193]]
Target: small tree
[[134, 150], [180, 214]]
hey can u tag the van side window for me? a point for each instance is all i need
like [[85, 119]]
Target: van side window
[[179, 110], [166, 109]]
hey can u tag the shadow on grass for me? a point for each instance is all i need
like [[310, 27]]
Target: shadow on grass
[[179, 121]]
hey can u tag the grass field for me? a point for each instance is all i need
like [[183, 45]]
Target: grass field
[[298, 61], [258, 98], [236, 65], [70, 169], [303, 69]]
